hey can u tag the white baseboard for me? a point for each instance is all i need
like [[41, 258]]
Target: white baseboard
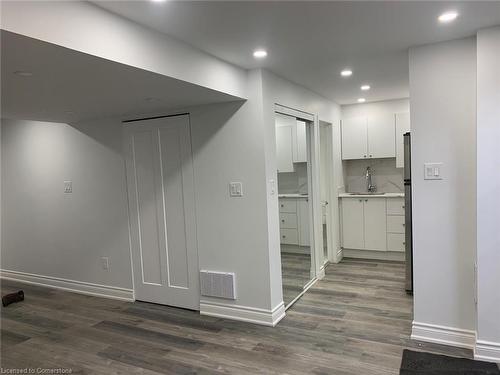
[[243, 313], [487, 351], [70, 285], [443, 335], [321, 273], [371, 254], [338, 256]]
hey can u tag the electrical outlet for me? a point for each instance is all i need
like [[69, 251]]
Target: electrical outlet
[[105, 263]]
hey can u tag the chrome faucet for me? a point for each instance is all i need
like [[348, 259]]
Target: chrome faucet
[[369, 185]]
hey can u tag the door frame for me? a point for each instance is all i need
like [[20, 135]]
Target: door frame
[[315, 211], [328, 135]]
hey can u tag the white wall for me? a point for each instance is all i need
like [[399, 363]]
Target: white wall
[[279, 91], [232, 232], [376, 108], [488, 189], [50, 233], [84, 27], [443, 122], [61, 235]]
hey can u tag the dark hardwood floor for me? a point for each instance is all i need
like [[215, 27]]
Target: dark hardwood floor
[[355, 321]]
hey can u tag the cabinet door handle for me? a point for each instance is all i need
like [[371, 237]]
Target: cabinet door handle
[[404, 243], [365, 156], [361, 200], [282, 221], [403, 225], [283, 236], [371, 155], [366, 200], [403, 207]]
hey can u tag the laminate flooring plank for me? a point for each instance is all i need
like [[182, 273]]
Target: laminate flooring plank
[[357, 320]]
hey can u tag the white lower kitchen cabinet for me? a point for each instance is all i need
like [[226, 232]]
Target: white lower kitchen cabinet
[[353, 236], [364, 223], [395, 242], [303, 218], [375, 224], [373, 227], [294, 221]]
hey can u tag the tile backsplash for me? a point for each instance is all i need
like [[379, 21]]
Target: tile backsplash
[[386, 177], [293, 182]]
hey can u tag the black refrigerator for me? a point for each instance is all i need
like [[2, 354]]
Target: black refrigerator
[[408, 224]]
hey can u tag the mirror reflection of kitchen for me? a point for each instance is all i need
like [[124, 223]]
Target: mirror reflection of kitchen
[[294, 205]]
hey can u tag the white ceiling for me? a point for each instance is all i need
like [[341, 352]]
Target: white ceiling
[[69, 86], [310, 42]]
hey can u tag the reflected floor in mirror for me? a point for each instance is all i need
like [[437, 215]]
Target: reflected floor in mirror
[[295, 271]]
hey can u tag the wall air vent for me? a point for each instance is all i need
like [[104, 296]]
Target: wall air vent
[[218, 284]]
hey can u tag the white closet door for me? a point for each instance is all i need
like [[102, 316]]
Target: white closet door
[[161, 203]]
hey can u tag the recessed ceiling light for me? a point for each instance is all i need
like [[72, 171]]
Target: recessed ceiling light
[[259, 53], [448, 17], [23, 73], [365, 87], [361, 100], [346, 73], [158, 1]]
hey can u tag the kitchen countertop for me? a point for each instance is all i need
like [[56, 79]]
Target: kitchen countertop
[[368, 195], [293, 196]]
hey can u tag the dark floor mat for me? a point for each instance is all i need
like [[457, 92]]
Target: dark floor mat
[[418, 363]]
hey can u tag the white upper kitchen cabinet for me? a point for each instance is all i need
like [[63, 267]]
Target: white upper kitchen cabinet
[[354, 138], [381, 136], [375, 224], [291, 142], [284, 139], [368, 137], [402, 127], [300, 142]]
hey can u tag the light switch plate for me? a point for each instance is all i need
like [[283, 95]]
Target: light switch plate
[[433, 171], [235, 189], [105, 263], [68, 186]]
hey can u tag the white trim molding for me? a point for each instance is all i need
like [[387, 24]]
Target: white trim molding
[[443, 335], [75, 286], [243, 313], [398, 256], [487, 351]]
